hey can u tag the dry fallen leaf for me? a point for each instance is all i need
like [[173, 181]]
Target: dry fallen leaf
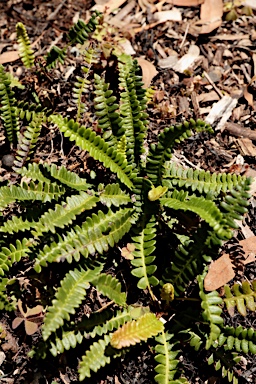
[[221, 271], [173, 15], [109, 6], [9, 56], [188, 59], [185, 3], [210, 15], [148, 71]]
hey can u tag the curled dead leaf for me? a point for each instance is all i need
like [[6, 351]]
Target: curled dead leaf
[[148, 71]]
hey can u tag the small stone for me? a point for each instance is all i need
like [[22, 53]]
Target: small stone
[[8, 160]]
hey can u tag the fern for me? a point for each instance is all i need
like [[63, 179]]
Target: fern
[[212, 311], [242, 300], [97, 148], [200, 180], [96, 235], [144, 247], [27, 141], [56, 54], [106, 109], [94, 358], [7, 109], [166, 358], [79, 33], [68, 297], [206, 209], [113, 195], [136, 331], [26, 53], [110, 287], [239, 339]]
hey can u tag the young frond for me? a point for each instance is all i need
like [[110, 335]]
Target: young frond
[[241, 297], [80, 32], [27, 141], [7, 109], [25, 50]]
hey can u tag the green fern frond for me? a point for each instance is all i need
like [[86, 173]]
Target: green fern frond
[[211, 305], [94, 358], [133, 122], [5, 303], [25, 50], [167, 366], [34, 172], [7, 109], [87, 140], [144, 247], [29, 111], [56, 54], [226, 364], [16, 224], [41, 191], [113, 195], [206, 209], [239, 339], [106, 110], [243, 297], [97, 234], [162, 152], [13, 254], [68, 297], [27, 141], [80, 87], [71, 179], [64, 214], [188, 261], [69, 339], [115, 322], [199, 180], [80, 31], [236, 202], [111, 287]]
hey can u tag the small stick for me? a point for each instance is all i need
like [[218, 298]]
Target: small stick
[[212, 83]]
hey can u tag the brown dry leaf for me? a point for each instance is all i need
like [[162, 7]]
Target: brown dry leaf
[[221, 271], [186, 3], [109, 6], [211, 15], [248, 95], [148, 71], [9, 56], [188, 59], [173, 15]]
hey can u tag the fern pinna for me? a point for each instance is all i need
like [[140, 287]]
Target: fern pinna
[[61, 218]]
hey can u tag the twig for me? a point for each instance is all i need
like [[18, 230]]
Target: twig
[[54, 13], [212, 83]]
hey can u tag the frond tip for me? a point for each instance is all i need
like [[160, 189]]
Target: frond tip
[[25, 50]]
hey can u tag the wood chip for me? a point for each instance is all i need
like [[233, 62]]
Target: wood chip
[[222, 110], [188, 59]]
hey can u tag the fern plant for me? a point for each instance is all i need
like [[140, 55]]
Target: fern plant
[[61, 218]]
